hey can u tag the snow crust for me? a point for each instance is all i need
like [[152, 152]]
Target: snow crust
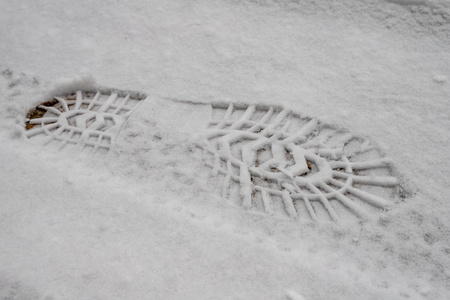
[[146, 221]]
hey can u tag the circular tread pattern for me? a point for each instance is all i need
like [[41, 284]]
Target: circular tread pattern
[[87, 119]]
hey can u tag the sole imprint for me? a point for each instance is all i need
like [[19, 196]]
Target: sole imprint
[[271, 158], [266, 159], [89, 120]]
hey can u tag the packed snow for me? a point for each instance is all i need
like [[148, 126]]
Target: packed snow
[[153, 214]]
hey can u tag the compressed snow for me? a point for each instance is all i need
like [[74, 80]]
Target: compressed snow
[[409, 2], [294, 296], [440, 78], [147, 220]]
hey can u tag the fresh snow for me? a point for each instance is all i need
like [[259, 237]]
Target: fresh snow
[[161, 213]]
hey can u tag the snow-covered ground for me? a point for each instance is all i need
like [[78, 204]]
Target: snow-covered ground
[[147, 220]]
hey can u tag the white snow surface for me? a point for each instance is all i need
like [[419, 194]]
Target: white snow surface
[[146, 221]]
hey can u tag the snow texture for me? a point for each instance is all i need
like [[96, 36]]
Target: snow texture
[[147, 220]]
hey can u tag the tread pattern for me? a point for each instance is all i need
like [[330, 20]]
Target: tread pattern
[[87, 119], [272, 156]]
